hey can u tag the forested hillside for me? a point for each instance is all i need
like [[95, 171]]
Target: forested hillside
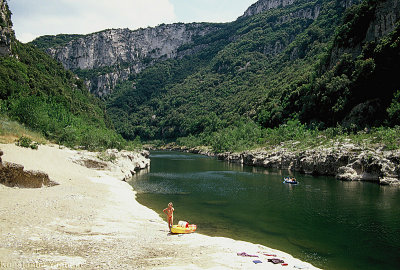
[[38, 92], [321, 62], [304, 64]]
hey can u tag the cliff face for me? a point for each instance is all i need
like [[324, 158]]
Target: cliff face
[[114, 55], [6, 32], [383, 21], [134, 50], [386, 15], [108, 57], [264, 5]]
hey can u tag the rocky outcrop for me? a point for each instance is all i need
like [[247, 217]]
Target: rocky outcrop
[[120, 164], [387, 14], [311, 13], [14, 175], [369, 166], [384, 20], [102, 85], [135, 50], [264, 5], [345, 162], [6, 32]]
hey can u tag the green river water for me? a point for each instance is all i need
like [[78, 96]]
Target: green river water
[[329, 223]]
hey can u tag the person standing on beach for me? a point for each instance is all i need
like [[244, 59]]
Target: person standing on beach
[[170, 214]]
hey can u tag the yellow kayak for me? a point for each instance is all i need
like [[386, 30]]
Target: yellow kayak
[[178, 229]]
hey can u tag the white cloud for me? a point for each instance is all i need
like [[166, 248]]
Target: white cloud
[[49, 17]]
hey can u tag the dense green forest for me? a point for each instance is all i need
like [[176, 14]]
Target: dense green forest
[[265, 71], [304, 71], [38, 92]]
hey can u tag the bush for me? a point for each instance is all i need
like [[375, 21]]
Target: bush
[[394, 109], [27, 143]]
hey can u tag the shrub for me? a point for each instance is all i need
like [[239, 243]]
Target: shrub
[[26, 142]]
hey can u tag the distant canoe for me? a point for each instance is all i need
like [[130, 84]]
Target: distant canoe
[[290, 182], [287, 180]]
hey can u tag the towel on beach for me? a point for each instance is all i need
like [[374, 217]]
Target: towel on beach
[[244, 254], [272, 255], [276, 261], [257, 261]]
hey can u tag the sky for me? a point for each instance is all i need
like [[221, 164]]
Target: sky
[[33, 18]]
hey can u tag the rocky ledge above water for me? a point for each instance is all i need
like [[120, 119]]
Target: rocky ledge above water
[[346, 162], [120, 164], [14, 175]]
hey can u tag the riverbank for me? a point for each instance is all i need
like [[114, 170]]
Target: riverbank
[[344, 160], [91, 220]]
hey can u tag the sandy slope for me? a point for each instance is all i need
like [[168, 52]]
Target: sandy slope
[[92, 221]]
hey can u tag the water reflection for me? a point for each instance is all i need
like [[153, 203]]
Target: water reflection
[[332, 224]]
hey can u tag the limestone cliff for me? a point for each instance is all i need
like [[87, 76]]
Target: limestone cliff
[[108, 57], [382, 21], [386, 16], [111, 56], [265, 5], [6, 32], [107, 51]]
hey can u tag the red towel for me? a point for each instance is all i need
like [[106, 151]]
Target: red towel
[[244, 254]]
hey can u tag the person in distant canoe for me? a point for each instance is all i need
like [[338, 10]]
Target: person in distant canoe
[[292, 180], [170, 214]]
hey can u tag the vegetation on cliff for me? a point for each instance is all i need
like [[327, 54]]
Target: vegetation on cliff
[[301, 72], [49, 41], [260, 72], [38, 92]]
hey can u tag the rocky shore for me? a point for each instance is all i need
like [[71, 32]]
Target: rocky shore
[[119, 164], [345, 161], [91, 220]]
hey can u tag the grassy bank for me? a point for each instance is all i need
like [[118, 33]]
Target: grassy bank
[[11, 131], [292, 135]]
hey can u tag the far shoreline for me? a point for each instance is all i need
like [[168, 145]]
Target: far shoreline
[[345, 162]]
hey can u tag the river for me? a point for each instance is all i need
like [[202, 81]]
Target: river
[[329, 223]]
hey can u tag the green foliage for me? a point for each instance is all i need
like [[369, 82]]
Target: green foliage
[[95, 72], [394, 109], [38, 92], [356, 21], [107, 156], [245, 135], [256, 68], [359, 88], [27, 143], [272, 78], [378, 136], [47, 41], [292, 135], [6, 22], [10, 129]]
